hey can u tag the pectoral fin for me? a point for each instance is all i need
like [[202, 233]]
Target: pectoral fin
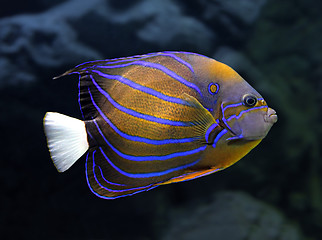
[[205, 124]]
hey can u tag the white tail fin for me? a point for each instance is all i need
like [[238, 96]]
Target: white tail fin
[[66, 139]]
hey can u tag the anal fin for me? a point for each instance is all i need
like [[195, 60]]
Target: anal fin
[[190, 175], [101, 179]]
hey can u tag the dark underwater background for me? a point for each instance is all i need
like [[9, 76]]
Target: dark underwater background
[[275, 192]]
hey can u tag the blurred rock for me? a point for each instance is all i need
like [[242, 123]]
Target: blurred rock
[[169, 27], [231, 216], [15, 7], [45, 40], [246, 11], [233, 15]]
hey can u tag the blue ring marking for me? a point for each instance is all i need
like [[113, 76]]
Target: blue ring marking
[[147, 175], [149, 158], [137, 114], [137, 138], [145, 188], [209, 130], [142, 88], [217, 88], [222, 133], [159, 67]]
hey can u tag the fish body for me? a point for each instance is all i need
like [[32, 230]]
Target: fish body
[[155, 119]]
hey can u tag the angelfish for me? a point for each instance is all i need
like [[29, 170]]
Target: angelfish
[[156, 119]]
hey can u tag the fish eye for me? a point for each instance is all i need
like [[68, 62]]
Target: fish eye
[[249, 100], [213, 88]]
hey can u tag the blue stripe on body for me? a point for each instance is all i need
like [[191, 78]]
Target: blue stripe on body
[[145, 188], [137, 138], [144, 56], [230, 106], [148, 158], [137, 114], [223, 113], [147, 175], [109, 182], [241, 113], [144, 89], [237, 116], [159, 67], [114, 60], [171, 55], [180, 60], [235, 105], [245, 111], [117, 60], [209, 130], [222, 133], [88, 62]]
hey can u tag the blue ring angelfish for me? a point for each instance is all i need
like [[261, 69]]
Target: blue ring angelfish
[[165, 129], [213, 88]]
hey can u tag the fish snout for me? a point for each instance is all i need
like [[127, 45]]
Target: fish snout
[[271, 116]]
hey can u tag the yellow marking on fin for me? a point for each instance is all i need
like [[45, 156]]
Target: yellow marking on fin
[[190, 175]]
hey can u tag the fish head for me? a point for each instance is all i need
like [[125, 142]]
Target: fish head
[[240, 109], [245, 114], [252, 119]]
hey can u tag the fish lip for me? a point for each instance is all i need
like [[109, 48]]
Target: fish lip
[[270, 116]]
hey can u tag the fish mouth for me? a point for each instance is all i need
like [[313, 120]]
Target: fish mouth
[[271, 116]]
